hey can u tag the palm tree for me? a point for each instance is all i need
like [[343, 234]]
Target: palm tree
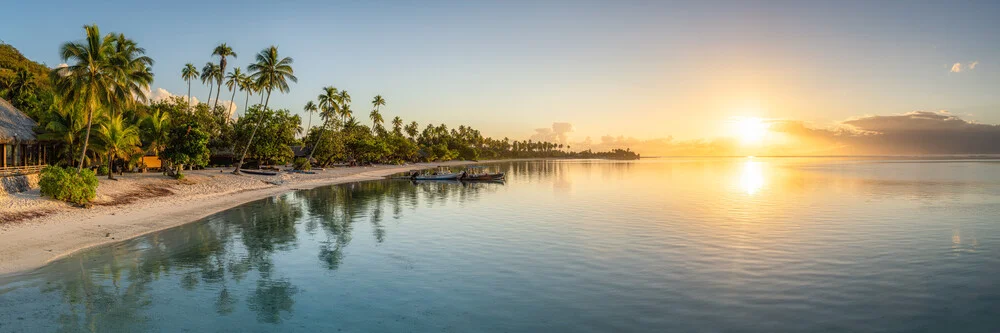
[[397, 125], [376, 120], [155, 127], [119, 140], [209, 73], [189, 73], [233, 82], [246, 84], [94, 78], [412, 129], [22, 83], [222, 51], [345, 104], [378, 101], [132, 71], [270, 72], [330, 107], [65, 126], [310, 108]]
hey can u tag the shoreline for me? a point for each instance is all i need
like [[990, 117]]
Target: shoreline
[[61, 231]]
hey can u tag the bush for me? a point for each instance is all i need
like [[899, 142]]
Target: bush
[[102, 170], [302, 163], [68, 185]]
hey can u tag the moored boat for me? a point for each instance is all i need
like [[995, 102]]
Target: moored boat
[[481, 173], [442, 173]]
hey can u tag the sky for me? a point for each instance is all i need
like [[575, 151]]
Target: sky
[[612, 72]]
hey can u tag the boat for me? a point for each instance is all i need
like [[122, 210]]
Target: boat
[[481, 173], [442, 173], [259, 172]]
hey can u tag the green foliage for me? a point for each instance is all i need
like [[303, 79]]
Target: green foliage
[[186, 144], [103, 170], [275, 134], [301, 163], [68, 185]]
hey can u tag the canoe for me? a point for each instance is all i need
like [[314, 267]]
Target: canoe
[[259, 172], [483, 176]]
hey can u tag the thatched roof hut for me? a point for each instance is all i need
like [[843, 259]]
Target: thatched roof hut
[[15, 126]]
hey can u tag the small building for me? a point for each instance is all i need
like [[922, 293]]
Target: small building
[[21, 152]]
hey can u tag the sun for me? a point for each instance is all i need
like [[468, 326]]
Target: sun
[[750, 130]]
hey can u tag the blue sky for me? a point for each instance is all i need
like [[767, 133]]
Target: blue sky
[[644, 69]]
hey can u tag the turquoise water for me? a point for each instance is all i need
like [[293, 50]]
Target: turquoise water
[[709, 245]]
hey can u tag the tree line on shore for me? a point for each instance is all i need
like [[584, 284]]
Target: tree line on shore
[[96, 111]]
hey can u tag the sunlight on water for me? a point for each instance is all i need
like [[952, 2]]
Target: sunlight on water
[[661, 245]]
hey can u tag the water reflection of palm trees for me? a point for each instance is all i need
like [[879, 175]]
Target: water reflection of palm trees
[[109, 289]]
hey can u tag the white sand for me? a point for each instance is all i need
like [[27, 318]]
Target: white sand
[[32, 241]]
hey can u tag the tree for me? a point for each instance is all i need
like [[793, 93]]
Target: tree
[[377, 102], [232, 83], [412, 129], [376, 120], [155, 130], [329, 106], [270, 72], [222, 51], [211, 72], [281, 128], [118, 140], [100, 74], [310, 108], [344, 100], [189, 73], [247, 84], [187, 144], [397, 125]]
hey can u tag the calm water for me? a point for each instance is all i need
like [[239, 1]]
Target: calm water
[[709, 245]]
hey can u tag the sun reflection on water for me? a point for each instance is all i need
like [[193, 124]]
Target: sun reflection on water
[[752, 177]]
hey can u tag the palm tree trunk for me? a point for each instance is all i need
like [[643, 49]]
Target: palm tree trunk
[[322, 131], [111, 165], [86, 138], [246, 105], [189, 95], [232, 100], [209, 94], [252, 133], [217, 91]]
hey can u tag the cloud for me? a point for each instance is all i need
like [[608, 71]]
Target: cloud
[[558, 133], [958, 68], [912, 133], [161, 94]]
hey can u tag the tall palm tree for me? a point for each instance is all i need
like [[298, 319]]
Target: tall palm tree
[[155, 128], [233, 82], [397, 125], [271, 72], [345, 104], [189, 73], [376, 120], [222, 51], [378, 101], [94, 78], [412, 129], [132, 71], [211, 72], [310, 108], [119, 140], [246, 84], [329, 105]]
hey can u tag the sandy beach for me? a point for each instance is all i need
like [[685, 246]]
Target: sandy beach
[[37, 230]]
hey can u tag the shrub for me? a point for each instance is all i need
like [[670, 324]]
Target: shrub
[[302, 163], [102, 170], [68, 185]]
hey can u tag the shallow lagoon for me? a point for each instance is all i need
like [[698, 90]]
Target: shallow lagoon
[[711, 244]]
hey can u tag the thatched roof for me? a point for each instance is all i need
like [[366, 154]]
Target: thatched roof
[[15, 125]]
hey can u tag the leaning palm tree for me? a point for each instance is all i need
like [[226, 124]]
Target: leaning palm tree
[[210, 73], [310, 108], [119, 140], [246, 84], [222, 51], [330, 107], [271, 72], [189, 73], [233, 82], [88, 77]]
